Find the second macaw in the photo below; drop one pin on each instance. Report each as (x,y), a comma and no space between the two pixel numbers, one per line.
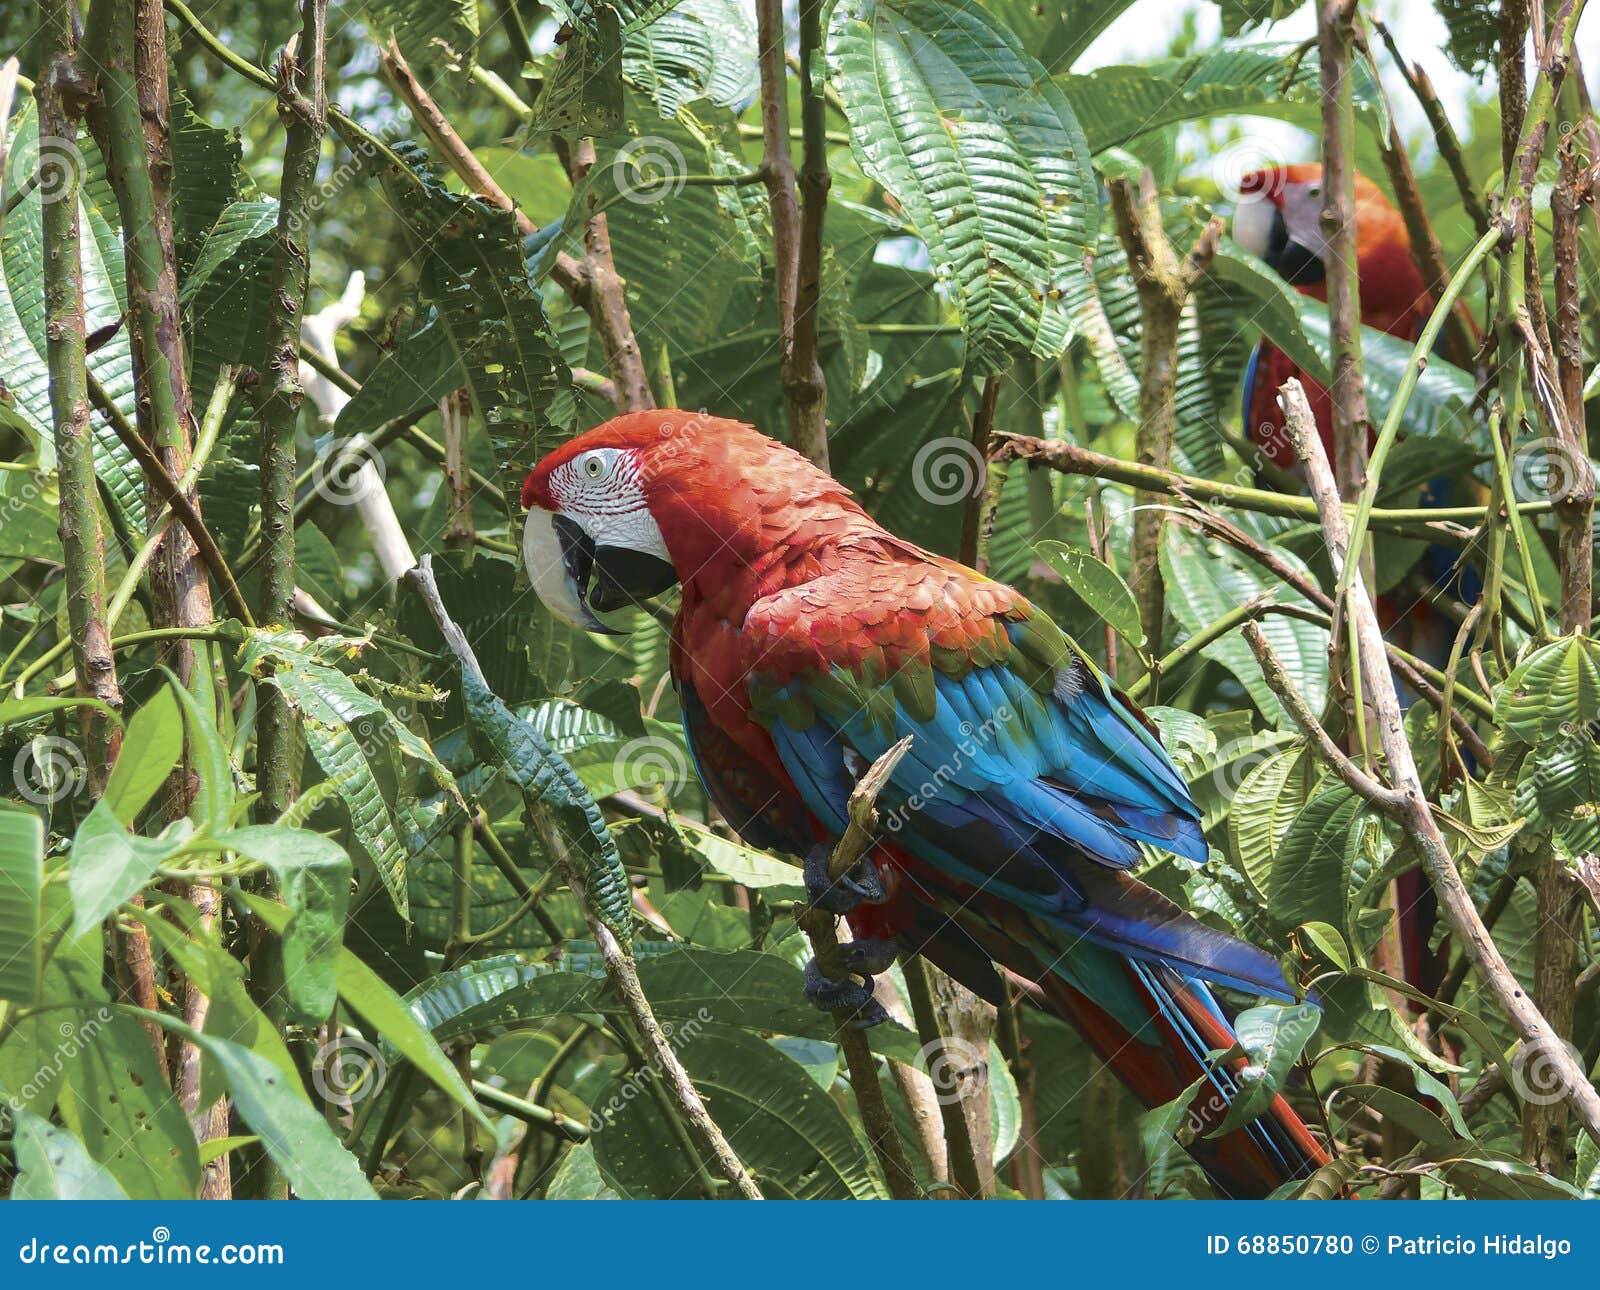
(1279,220)
(809,640)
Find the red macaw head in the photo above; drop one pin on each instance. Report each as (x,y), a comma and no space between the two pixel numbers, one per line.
(648,499)
(1279,220)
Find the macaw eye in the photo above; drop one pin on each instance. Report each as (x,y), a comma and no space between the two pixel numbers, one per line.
(594,467)
(1315,191)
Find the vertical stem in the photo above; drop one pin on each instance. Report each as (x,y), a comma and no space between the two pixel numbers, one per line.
(945,1051)
(1575,509)
(1335,33)
(608,304)
(1163,283)
(302,107)
(971,550)
(60,93)
(455,410)
(796,244)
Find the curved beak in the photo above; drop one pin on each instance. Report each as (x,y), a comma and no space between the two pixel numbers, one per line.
(575,575)
(1259,227)
(560,560)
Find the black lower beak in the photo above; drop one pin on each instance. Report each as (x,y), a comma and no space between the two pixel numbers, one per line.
(1297,265)
(608,578)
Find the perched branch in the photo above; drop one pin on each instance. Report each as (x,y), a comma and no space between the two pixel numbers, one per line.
(821,930)
(620,968)
(1405,803)
(1437,524)
(1164,283)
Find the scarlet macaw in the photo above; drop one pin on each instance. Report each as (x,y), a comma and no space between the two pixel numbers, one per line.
(809,640)
(1279,220)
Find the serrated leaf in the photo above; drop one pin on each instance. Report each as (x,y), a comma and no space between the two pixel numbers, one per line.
(1552,691)
(983,154)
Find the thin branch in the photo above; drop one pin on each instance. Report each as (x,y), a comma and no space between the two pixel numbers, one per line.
(1575,507)
(1163,282)
(821,930)
(620,968)
(971,551)
(1405,803)
(172,493)
(794,241)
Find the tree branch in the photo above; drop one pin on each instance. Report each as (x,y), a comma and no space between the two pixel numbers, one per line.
(620,968)
(1405,803)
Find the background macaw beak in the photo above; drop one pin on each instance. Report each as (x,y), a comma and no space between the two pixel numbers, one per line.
(1260,228)
(560,560)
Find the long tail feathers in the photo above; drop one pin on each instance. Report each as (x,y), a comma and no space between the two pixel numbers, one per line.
(1168,1055)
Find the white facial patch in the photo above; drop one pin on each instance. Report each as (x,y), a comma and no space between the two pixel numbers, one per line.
(1302,216)
(1252,223)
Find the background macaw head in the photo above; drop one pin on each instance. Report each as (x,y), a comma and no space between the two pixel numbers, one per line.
(592,541)
(1279,220)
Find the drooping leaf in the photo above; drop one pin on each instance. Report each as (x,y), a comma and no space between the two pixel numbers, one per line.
(984,155)
(53,1165)
(1552,691)
(294,1134)
(582,93)
(151,747)
(109,864)
(21,880)
(1098,585)
(701,49)
(474,273)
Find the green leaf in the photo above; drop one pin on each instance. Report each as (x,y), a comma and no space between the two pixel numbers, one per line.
(224,295)
(745,865)
(1552,690)
(358,742)
(983,154)
(1207,579)
(109,865)
(214,797)
(701,49)
(1098,585)
(582,92)
(579,1178)
(432,33)
(1311,872)
(1406,1112)
(116,1102)
(313,877)
(53,1165)
(474,273)
(1057,33)
(151,747)
(1272,1037)
(296,1137)
(1559,793)
(792,1135)
(21,910)
(549,784)
(1278,79)
(384,1011)
(417,373)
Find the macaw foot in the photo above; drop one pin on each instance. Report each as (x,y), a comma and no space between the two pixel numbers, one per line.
(848,995)
(857,884)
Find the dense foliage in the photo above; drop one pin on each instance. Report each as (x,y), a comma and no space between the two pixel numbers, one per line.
(293,898)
